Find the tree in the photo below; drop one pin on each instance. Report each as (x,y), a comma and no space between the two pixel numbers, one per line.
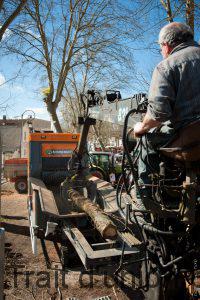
(186,6)
(155,14)
(9,10)
(97,73)
(55,34)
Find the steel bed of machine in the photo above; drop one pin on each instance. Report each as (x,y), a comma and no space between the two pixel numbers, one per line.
(160,245)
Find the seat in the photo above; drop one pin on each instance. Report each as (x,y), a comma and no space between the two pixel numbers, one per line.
(186,145)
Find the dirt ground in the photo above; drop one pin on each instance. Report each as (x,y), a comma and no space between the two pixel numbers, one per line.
(41,277)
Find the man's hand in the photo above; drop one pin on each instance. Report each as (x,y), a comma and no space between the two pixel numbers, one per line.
(139,129)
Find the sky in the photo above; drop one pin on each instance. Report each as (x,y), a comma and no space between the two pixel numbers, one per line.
(21,93)
(24,92)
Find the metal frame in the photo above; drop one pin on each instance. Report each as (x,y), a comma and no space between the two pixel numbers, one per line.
(105,251)
(2,260)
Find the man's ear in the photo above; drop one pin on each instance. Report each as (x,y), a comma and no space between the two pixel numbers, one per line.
(168,49)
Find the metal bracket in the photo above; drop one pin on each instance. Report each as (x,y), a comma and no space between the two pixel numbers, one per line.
(50,228)
(33,235)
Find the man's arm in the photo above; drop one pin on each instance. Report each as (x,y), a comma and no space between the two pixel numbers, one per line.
(161,98)
(144,126)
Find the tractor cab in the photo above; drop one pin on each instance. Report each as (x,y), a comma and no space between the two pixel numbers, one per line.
(105,165)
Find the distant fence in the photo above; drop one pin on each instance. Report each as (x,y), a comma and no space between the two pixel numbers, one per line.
(2,261)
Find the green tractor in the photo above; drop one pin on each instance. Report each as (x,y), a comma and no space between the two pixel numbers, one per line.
(106,165)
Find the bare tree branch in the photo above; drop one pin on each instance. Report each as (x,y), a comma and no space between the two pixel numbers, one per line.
(10,19)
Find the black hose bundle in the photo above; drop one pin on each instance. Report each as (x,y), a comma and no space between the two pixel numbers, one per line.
(132,171)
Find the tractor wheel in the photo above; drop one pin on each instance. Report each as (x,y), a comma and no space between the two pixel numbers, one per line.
(21,185)
(97,173)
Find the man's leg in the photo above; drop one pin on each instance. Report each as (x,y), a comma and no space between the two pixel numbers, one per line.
(149,162)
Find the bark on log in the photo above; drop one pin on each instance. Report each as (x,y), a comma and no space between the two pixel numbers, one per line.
(101,221)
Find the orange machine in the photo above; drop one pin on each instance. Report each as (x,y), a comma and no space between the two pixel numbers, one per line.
(49,154)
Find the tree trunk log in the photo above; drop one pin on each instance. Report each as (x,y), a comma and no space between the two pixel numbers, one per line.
(101,221)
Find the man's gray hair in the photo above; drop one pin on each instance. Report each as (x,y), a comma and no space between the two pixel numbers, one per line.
(175,33)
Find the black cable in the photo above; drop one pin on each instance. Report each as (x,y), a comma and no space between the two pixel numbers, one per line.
(124,173)
(144,224)
(124,141)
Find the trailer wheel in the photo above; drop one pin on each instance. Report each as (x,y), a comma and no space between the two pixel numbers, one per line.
(21,185)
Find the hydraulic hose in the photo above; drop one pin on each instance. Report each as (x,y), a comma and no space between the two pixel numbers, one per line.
(148,227)
(124,141)
(142,223)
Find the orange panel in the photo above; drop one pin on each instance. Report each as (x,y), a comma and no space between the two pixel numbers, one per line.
(16,161)
(58,150)
(51,137)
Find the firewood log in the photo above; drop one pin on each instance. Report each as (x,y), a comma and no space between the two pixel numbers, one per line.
(101,221)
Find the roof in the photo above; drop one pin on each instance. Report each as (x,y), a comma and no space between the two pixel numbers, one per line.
(39,124)
(18,122)
(12,122)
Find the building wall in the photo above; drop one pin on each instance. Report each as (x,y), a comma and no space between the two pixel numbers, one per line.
(10,138)
(37,124)
(15,135)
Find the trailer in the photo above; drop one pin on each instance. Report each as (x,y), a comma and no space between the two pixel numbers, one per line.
(98,239)
(15,170)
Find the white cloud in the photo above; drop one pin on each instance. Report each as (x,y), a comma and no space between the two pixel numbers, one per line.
(18,88)
(2,79)
(40,112)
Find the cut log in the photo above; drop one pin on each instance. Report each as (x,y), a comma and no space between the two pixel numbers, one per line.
(101,221)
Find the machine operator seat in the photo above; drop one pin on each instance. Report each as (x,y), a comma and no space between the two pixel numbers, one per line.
(186,145)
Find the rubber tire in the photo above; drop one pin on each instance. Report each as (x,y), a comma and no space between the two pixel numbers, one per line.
(97,173)
(21,185)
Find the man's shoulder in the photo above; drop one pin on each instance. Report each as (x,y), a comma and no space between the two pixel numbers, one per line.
(184,55)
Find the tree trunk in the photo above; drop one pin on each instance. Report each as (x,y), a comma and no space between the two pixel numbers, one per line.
(190,13)
(169,12)
(101,221)
(98,137)
(51,108)
(167,6)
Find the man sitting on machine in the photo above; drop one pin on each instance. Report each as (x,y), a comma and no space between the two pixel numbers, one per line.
(174,99)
